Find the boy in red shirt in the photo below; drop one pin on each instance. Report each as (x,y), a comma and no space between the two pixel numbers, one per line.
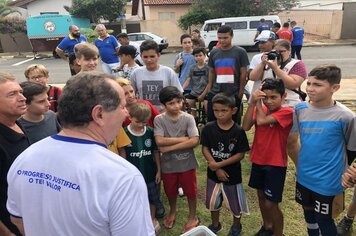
(269,151)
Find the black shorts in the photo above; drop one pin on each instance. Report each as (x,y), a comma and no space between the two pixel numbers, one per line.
(269,179)
(325,206)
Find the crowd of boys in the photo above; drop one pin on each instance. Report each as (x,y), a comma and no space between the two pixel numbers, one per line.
(159,138)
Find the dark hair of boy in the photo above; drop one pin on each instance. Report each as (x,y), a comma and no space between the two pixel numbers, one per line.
(184,36)
(128,50)
(31,89)
(224,99)
(149,44)
(195,42)
(141,111)
(286,24)
(87,50)
(169,93)
(225,29)
(329,72)
(277,25)
(199,50)
(274,85)
(196,31)
(122,35)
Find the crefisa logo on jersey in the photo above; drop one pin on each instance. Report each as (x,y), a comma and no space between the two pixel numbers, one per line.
(49,26)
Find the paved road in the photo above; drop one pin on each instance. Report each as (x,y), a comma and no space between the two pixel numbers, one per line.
(343,56)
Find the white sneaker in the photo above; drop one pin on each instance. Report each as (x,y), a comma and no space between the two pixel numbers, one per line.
(180,192)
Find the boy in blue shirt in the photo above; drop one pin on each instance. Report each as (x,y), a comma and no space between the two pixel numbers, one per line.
(327,135)
(184,60)
(224,144)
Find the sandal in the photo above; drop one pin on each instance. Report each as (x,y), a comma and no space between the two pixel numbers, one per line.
(169,222)
(188,227)
(156,226)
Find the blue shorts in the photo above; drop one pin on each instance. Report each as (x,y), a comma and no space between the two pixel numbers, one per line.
(233,196)
(269,179)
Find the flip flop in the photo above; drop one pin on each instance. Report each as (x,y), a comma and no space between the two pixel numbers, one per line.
(169,222)
(188,227)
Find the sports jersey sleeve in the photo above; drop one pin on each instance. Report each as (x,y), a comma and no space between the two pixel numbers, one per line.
(114,42)
(284,116)
(63,44)
(129,212)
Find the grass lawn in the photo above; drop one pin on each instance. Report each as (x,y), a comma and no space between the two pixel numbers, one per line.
(294,224)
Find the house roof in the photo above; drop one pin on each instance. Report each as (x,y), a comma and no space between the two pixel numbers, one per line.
(20,3)
(167,2)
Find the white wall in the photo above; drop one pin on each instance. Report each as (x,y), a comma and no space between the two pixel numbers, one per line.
(37,7)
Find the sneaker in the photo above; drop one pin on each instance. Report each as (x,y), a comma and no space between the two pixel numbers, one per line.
(234,231)
(215,230)
(344,226)
(264,232)
(180,192)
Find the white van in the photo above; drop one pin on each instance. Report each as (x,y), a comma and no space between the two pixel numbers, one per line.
(244,29)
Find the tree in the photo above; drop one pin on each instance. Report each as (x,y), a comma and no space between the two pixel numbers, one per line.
(95,10)
(5,10)
(11,25)
(202,10)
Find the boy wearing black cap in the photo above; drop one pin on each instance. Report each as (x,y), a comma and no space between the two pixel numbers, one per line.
(127,56)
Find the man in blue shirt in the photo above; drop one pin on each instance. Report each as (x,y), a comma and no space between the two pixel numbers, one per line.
(297,43)
(263,26)
(108,48)
(67,45)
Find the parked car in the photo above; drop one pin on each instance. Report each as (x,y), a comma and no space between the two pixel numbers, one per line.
(142,36)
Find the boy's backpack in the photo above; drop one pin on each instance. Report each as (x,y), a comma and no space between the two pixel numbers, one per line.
(53,98)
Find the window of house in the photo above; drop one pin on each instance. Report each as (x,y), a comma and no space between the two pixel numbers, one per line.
(166,15)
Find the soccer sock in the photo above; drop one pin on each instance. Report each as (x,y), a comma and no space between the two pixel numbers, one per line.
(312,225)
(349,217)
(327,226)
